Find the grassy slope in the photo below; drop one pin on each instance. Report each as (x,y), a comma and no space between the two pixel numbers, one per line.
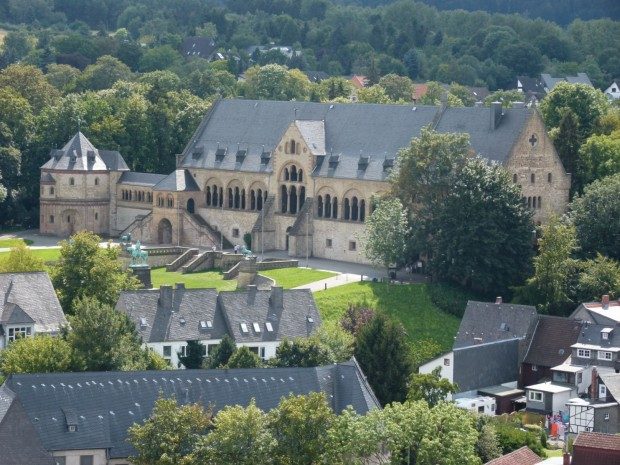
(47,255)
(211,279)
(293,277)
(13,242)
(410,304)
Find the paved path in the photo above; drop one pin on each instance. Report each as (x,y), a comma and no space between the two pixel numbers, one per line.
(39,241)
(328,283)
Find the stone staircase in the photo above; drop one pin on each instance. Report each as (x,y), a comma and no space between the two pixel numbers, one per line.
(216,235)
(188,255)
(197,261)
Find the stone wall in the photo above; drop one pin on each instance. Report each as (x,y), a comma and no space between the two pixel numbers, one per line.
(126,213)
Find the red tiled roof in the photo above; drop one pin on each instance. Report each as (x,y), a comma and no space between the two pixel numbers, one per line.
(598,441)
(419,91)
(523,456)
(359,81)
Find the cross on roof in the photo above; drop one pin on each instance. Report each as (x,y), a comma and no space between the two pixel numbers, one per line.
(533,140)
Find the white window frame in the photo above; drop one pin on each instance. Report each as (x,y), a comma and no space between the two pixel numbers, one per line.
(605,355)
(18,332)
(581,353)
(446,362)
(602,390)
(532,396)
(534,367)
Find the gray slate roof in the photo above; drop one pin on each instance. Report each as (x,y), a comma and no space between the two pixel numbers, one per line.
(291,320)
(612,382)
(552,340)
(28,297)
(351,131)
(107,403)
(591,335)
(550,82)
(178,181)
(490,322)
(141,179)
(198,47)
(19,443)
(176,314)
(80,155)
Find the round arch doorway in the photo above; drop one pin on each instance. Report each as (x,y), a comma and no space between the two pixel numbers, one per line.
(164,232)
(191,206)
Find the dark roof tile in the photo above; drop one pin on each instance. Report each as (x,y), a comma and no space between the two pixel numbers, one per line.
(552,341)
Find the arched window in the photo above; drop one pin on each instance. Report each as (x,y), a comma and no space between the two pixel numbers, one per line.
(293,173)
(354,209)
(237,198)
(514,178)
(529,202)
(347,209)
(328,206)
(286,174)
(292,201)
(533,178)
(319,206)
(362,210)
(533,202)
(208,196)
(170,201)
(230,198)
(96,181)
(539,202)
(221,204)
(284,199)
(214,196)
(51,191)
(243,199)
(549,177)
(335,207)
(300,175)
(292,146)
(259,200)
(252,200)
(71,181)
(160,201)
(302,196)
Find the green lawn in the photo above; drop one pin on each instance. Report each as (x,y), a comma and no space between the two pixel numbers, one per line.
(13,242)
(211,279)
(410,304)
(47,255)
(293,277)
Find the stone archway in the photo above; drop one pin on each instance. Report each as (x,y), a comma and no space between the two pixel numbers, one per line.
(69,220)
(190,206)
(164,232)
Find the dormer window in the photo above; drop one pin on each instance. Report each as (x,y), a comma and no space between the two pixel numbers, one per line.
(605,332)
(19,332)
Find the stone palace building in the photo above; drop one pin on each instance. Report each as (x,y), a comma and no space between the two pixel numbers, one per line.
(296,176)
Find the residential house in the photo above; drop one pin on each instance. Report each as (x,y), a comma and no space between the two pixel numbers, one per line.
(419,91)
(82,418)
(199,47)
(550,82)
(600,411)
(531,87)
(522,456)
(30,306)
(488,349)
(596,448)
(550,347)
(605,312)
(167,318)
(286,50)
(613,91)
(548,397)
(316,76)
(358,81)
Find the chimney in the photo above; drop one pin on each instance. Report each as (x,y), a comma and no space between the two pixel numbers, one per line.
(165,297)
(594,384)
(277,297)
(605,301)
(496,114)
(180,286)
(498,300)
(566,459)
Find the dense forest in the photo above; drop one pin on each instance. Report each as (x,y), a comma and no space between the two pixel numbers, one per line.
(559,11)
(115,67)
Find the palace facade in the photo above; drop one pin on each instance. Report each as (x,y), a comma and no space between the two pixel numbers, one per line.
(296,176)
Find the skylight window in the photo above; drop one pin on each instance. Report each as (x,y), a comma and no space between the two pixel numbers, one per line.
(208,324)
(244,328)
(143,322)
(310,319)
(256,327)
(269,327)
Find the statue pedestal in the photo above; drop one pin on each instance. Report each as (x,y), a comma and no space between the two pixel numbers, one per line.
(143,273)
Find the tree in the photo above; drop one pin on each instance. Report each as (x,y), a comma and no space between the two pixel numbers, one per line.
(397,87)
(104,339)
(243,357)
(383,353)
(221,353)
(588,105)
(487,447)
(30,83)
(567,141)
(39,354)
(63,77)
(194,355)
(356,317)
(239,435)
(335,87)
(85,269)
(20,259)
(300,424)
(373,94)
(412,63)
(159,58)
(301,352)
(430,387)
(596,215)
(597,277)
(433,94)
(481,215)
(506,97)
(600,156)
(553,268)
(276,82)
(463,94)
(104,73)
(170,435)
(386,233)
(336,340)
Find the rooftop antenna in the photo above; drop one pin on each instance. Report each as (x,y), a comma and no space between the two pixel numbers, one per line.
(295,110)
